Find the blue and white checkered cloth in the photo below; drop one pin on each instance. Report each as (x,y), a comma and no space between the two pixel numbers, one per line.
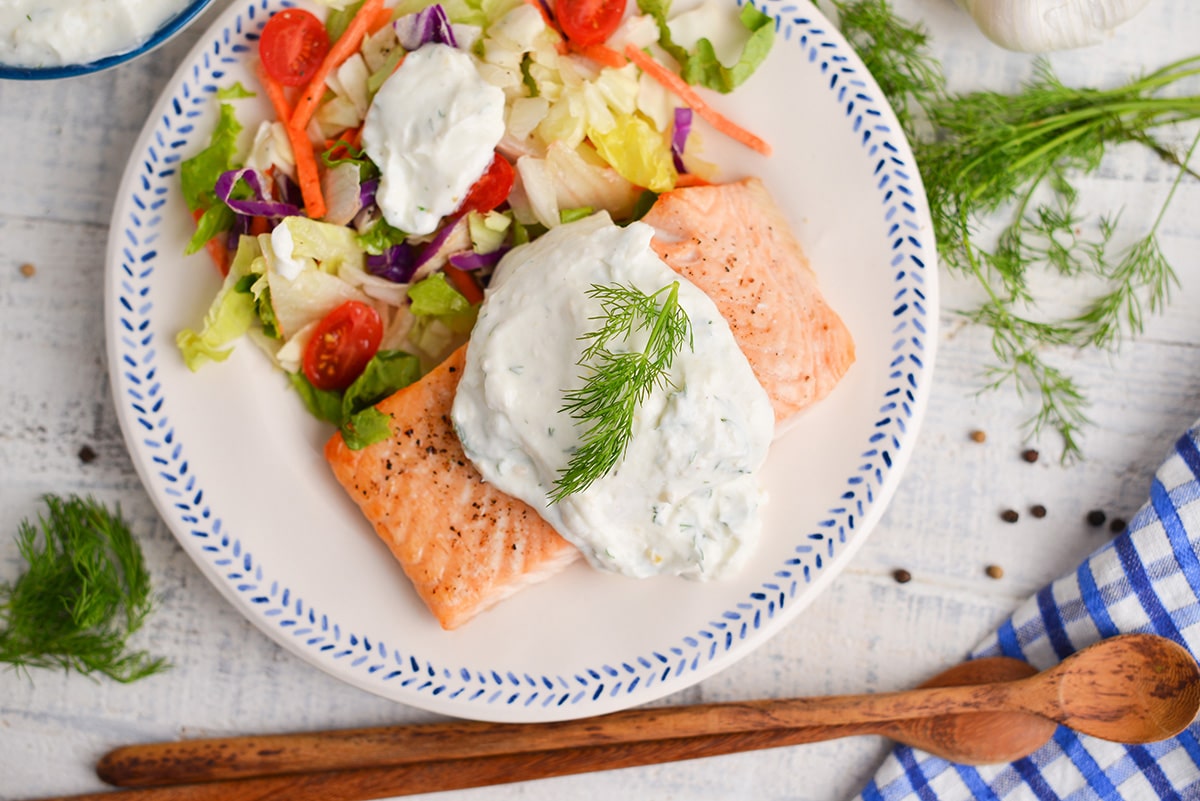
(1146,580)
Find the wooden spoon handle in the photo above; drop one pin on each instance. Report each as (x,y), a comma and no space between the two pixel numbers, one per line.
(458,774)
(239,757)
(223,759)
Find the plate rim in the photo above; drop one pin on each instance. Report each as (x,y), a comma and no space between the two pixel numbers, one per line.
(609,687)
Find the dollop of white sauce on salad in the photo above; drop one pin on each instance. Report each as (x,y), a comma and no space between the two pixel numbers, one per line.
(432,130)
(55,33)
(685,498)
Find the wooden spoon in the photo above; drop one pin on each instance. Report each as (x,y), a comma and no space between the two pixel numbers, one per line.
(972,738)
(1133,688)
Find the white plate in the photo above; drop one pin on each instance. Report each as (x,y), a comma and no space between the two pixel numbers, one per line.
(234,465)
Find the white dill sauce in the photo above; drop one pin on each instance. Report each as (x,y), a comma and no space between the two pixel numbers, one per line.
(55,33)
(685,499)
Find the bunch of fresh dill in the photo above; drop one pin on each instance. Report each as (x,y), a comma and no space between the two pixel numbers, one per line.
(85,590)
(988,155)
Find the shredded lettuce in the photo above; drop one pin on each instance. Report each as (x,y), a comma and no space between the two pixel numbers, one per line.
(701,66)
(329,245)
(230,315)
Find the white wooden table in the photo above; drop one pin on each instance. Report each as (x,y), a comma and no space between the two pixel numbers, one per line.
(64,147)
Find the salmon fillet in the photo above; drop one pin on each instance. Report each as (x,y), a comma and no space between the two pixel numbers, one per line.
(733,242)
(464,544)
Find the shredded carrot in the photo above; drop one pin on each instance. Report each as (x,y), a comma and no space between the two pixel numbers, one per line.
(360,25)
(603,55)
(274,89)
(692,98)
(216,248)
(686,179)
(259,225)
(302,150)
(307,174)
(465,283)
(383,15)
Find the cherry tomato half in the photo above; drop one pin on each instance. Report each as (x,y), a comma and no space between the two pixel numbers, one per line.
(588,22)
(491,189)
(292,47)
(341,345)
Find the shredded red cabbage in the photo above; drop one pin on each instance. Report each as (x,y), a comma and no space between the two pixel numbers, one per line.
(427,25)
(367,190)
(288,190)
(256,206)
(438,243)
(683,127)
(470,260)
(397,263)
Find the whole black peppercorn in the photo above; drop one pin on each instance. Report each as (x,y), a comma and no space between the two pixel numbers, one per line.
(1117,525)
(1096,517)
(1030,455)
(87,455)
(1037,510)
(902,576)
(1010,516)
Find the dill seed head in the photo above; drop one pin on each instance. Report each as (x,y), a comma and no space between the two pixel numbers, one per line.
(1010,516)
(1096,517)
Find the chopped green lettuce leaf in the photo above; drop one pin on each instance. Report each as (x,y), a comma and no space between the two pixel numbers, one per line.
(337,20)
(702,67)
(229,316)
(232,312)
(329,245)
(379,237)
(215,220)
(353,411)
(235,92)
(434,297)
(198,175)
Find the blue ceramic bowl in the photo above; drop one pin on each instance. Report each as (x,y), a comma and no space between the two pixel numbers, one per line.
(168,29)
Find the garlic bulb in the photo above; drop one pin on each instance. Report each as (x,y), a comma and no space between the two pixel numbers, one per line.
(1039,26)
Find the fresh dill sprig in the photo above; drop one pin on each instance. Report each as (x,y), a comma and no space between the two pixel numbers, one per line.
(984,155)
(617,382)
(85,590)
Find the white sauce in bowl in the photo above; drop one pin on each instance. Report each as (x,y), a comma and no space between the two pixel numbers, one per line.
(685,498)
(55,33)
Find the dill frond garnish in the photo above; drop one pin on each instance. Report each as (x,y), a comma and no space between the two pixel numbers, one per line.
(85,590)
(617,382)
(1006,163)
